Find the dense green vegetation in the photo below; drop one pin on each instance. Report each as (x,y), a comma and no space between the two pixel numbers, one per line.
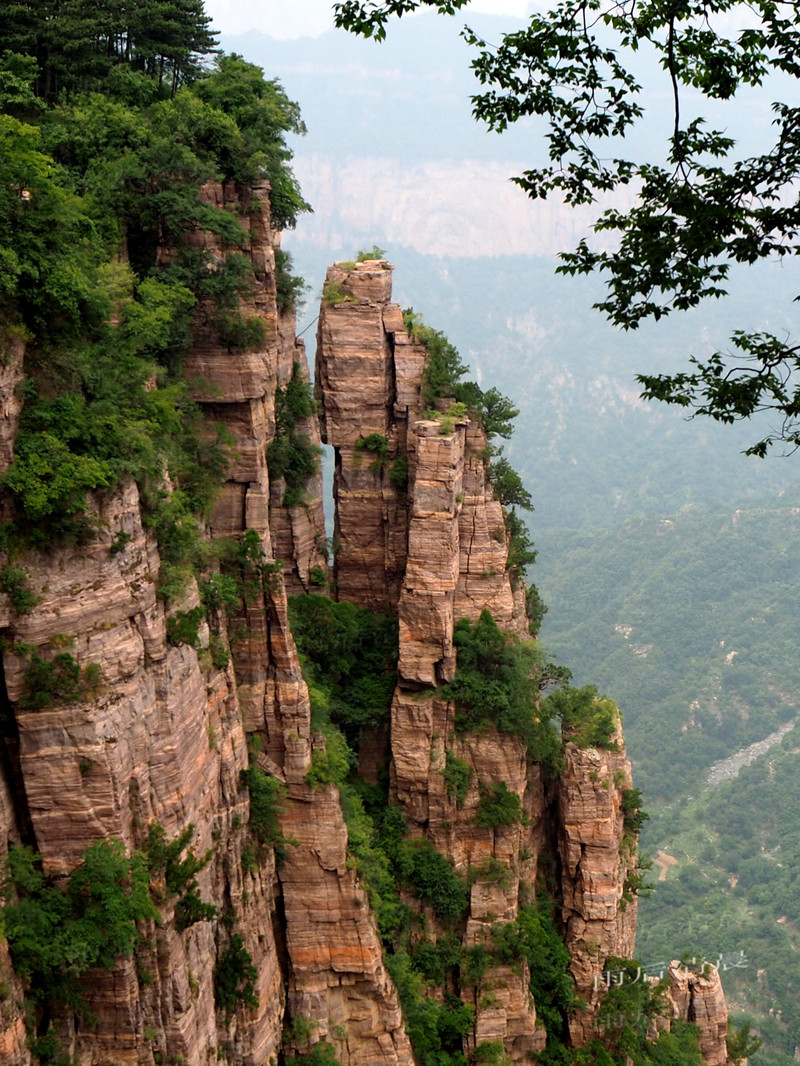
(267,800)
(498,679)
(172,875)
(350,657)
(291,455)
(107,138)
(55,681)
(691,623)
(56,935)
(733,892)
(235,977)
(589,720)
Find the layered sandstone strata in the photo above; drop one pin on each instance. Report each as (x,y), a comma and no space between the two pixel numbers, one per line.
(598,915)
(355,383)
(438,556)
(160,737)
(695,995)
(236,390)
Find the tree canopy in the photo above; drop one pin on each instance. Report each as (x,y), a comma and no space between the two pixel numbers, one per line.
(110,125)
(700,208)
(77,42)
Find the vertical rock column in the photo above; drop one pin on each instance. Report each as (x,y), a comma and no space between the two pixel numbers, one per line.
(483,581)
(356,385)
(236,390)
(595,861)
(696,995)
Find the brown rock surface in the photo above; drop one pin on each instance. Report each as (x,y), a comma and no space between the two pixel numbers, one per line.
(355,385)
(698,997)
(162,736)
(339,985)
(159,737)
(598,923)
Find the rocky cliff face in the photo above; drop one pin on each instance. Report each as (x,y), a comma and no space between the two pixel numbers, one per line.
(166,727)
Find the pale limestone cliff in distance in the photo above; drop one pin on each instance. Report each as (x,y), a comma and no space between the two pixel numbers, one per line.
(451,208)
(163,737)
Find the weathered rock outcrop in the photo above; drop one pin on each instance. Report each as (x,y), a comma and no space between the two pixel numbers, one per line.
(160,737)
(356,384)
(161,729)
(598,913)
(435,553)
(696,995)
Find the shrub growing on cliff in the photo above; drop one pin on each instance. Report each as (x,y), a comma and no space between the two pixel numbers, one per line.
(378,445)
(14,582)
(587,719)
(320,1054)
(291,455)
(55,936)
(235,977)
(174,875)
(183,627)
(633,815)
(267,801)
(289,287)
(48,682)
(432,878)
(435,1030)
(499,807)
(351,654)
(497,681)
(457,775)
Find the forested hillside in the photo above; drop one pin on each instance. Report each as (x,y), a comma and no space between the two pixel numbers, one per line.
(343,829)
(642,519)
(99,274)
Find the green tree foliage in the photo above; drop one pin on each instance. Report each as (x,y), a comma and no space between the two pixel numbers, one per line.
(267,801)
(441,380)
(178,874)
(55,681)
(742,1042)
(507,484)
(290,288)
(291,455)
(499,807)
(235,977)
(435,1030)
(457,776)
(264,114)
(633,816)
(78,45)
(587,719)
(377,445)
(55,936)
(97,172)
(351,654)
(320,1054)
(700,205)
(497,680)
(432,877)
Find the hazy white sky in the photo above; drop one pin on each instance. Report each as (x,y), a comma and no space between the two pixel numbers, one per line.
(299,18)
